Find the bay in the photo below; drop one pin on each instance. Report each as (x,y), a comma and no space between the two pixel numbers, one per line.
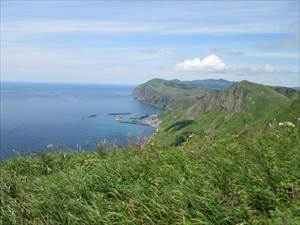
(67,116)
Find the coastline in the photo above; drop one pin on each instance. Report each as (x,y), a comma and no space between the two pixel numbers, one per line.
(152,136)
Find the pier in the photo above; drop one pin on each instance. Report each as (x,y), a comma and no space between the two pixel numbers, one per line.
(119,114)
(135,122)
(139,117)
(146,120)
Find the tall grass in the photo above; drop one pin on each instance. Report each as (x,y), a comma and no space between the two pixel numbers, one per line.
(250,179)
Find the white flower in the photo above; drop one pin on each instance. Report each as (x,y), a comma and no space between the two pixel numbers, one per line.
(290,124)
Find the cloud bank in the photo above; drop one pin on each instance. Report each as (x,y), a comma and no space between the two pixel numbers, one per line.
(214,64)
(98,26)
(211,63)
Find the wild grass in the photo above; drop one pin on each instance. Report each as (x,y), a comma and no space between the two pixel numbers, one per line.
(253,178)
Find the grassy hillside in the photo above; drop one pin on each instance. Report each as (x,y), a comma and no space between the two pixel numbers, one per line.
(250,179)
(259,104)
(288,92)
(290,112)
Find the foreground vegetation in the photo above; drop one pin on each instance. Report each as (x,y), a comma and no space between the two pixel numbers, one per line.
(253,178)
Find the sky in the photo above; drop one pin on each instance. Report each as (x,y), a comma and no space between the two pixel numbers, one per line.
(130,42)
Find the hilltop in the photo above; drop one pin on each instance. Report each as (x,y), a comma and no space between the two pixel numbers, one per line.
(225,155)
(168,94)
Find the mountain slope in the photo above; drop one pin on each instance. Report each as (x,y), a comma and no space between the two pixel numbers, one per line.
(243,106)
(231,100)
(291,112)
(288,92)
(174,93)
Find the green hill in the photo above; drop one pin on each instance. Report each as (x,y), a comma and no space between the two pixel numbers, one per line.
(290,112)
(243,106)
(175,93)
(289,92)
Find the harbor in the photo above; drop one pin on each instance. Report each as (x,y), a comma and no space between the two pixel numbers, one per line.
(145,120)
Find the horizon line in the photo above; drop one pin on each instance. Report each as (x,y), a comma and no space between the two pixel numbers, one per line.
(135,84)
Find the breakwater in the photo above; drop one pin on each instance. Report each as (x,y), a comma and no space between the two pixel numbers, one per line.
(135,122)
(119,114)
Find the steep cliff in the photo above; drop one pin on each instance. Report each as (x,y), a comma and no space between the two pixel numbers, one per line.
(231,100)
(148,94)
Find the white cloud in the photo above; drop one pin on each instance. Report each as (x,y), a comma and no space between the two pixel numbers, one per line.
(256,70)
(211,63)
(214,65)
(101,27)
(269,68)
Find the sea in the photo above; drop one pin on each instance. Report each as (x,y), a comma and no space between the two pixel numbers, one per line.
(38,117)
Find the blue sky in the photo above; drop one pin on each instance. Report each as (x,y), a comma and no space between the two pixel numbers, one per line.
(129,42)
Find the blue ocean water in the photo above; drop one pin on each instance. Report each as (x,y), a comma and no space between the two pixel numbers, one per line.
(35,115)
